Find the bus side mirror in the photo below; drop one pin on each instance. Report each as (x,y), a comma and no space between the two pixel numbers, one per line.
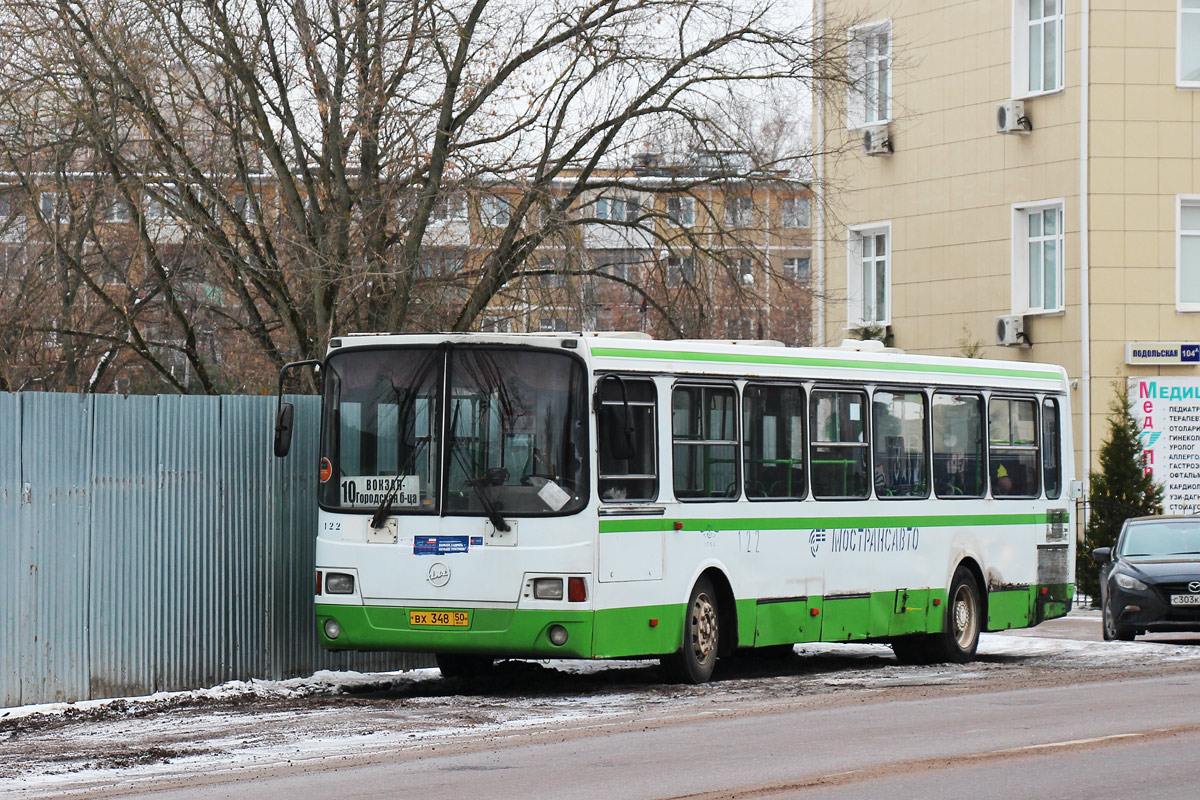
(285,412)
(283,429)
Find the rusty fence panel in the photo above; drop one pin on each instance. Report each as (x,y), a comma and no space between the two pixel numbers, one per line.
(155,544)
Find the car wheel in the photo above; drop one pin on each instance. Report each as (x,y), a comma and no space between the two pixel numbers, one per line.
(695,661)
(1113,631)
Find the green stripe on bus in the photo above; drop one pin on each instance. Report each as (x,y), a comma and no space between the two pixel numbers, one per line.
(817,523)
(814,361)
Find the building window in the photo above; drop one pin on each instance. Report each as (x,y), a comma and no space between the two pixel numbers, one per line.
(494,212)
(737,211)
(1187,258)
(244,205)
(796,269)
(745,270)
(451,208)
(616,209)
(682,211)
(1038,258)
(1187,44)
(869,101)
(1037,47)
(868,279)
(552,325)
(681,270)
(5,204)
(796,211)
(52,207)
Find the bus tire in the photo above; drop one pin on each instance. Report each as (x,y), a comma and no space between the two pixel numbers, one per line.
(695,660)
(460,665)
(960,630)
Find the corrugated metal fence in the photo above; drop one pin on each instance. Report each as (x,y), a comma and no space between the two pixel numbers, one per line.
(155,543)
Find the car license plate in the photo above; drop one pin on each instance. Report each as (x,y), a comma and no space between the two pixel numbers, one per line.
(1185,599)
(441,619)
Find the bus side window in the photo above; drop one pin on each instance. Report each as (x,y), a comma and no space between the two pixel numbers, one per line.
(704,433)
(773,446)
(838,443)
(901,451)
(1051,448)
(1013,447)
(958,462)
(635,478)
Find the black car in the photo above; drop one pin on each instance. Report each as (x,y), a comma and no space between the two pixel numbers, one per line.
(1151,580)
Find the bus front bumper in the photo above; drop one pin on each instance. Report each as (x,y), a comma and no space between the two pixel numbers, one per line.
(516,633)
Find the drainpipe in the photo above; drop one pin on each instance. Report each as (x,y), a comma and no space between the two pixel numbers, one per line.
(818,212)
(1085,323)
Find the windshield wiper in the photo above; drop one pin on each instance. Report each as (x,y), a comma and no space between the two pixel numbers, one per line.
(385,505)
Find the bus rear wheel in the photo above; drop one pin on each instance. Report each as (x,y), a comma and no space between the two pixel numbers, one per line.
(460,665)
(695,660)
(959,637)
(960,632)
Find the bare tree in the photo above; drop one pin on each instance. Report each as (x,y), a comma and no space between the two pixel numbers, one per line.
(284,165)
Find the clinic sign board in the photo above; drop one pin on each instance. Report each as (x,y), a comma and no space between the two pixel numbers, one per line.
(1167,410)
(1143,353)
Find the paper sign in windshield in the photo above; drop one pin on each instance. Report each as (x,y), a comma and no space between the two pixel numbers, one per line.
(368,491)
(554,495)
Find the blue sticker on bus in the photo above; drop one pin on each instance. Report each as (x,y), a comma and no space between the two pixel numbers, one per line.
(476,541)
(440,545)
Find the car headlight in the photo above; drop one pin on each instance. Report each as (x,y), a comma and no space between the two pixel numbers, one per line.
(1129,582)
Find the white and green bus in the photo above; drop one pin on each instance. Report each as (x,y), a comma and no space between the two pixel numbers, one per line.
(609,496)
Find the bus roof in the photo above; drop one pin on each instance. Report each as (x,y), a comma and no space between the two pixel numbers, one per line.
(635,352)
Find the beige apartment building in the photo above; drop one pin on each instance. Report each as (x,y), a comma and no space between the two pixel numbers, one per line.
(1018,179)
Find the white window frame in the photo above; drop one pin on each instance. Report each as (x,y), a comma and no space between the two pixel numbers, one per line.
(1020,256)
(49,208)
(855,290)
(1020,46)
(791,269)
(860,113)
(796,212)
(1180,201)
(1180,11)
(494,211)
(684,215)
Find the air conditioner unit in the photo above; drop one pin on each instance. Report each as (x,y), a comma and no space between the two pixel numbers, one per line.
(1011,118)
(1010,331)
(876,141)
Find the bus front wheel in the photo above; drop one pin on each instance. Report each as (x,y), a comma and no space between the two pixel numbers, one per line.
(695,660)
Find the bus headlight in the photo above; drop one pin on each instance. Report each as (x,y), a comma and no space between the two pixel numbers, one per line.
(339,583)
(558,635)
(332,629)
(548,589)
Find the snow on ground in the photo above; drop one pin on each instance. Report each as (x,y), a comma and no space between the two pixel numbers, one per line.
(60,746)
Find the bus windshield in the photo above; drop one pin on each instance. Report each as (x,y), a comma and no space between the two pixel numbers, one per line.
(515,429)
